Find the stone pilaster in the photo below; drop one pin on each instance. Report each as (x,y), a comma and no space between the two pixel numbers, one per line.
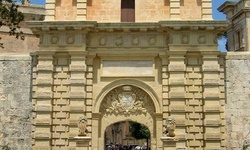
(42,101)
(177,93)
(214,122)
(81,10)
(61,101)
(175,12)
(89,93)
(77,91)
(50,10)
(194,101)
(206,9)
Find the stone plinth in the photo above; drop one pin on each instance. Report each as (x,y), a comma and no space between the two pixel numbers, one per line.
(169,143)
(82,142)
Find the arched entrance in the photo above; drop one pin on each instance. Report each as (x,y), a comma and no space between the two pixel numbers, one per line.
(127,135)
(127,101)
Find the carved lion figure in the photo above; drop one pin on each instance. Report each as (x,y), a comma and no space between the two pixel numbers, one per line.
(82,125)
(169,127)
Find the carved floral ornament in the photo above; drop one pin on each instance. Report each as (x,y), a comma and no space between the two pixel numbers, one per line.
(127,100)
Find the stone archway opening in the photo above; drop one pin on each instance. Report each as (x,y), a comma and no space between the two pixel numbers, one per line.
(127,135)
(126,102)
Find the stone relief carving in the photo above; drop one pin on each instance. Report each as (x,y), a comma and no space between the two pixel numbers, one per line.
(135,41)
(126,100)
(128,40)
(54,39)
(102,41)
(152,40)
(169,127)
(119,41)
(202,39)
(185,39)
(82,125)
(70,39)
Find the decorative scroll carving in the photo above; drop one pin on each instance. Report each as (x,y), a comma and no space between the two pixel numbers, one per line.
(126,100)
(169,127)
(82,125)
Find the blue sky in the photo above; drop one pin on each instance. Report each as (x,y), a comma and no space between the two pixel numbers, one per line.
(216,15)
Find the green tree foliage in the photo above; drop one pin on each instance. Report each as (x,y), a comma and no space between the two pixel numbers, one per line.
(11,17)
(139,131)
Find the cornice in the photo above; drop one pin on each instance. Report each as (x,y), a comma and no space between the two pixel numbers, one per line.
(43,26)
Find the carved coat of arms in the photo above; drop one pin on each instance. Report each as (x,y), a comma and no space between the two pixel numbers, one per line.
(126,102)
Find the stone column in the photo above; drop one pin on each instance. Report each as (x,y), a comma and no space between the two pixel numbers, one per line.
(42,101)
(50,10)
(177,93)
(175,12)
(81,10)
(214,130)
(206,9)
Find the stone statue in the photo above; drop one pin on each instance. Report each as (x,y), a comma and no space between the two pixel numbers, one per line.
(82,125)
(169,127)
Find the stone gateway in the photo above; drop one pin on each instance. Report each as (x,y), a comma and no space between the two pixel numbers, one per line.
(153,62)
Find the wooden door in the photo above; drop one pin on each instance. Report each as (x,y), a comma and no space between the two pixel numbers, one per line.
(127,10)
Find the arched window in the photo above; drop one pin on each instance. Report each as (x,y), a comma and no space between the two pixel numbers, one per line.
(127,10)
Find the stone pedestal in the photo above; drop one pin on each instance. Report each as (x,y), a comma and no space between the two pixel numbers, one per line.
(169,143)
(82,142)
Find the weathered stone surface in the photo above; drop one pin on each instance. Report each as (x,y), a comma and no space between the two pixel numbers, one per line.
(15,104)
(237,104)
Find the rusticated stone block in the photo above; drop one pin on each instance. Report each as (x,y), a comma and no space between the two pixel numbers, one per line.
(176,68)
(211,81)
(43,108)
(42,135)
(61,115)
(211,95)
(77,94)
(176,94)
(62,75)
(41,148)
(211,68)
(212,108)
(176,81)
(195,143)
(43,94)
(42,121)
(44,68)
(43,81)
(212,136)
(177,108)
(78,68)
(78,81)
(215,123)
(79,108)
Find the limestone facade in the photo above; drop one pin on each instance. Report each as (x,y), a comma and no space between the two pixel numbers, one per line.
(165,68)
(114,72)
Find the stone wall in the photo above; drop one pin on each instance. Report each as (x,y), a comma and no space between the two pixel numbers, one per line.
(237,101)
(15,103)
